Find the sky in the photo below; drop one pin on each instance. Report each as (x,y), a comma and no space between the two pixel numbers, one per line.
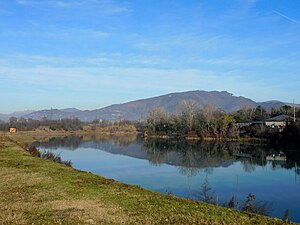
(92,53)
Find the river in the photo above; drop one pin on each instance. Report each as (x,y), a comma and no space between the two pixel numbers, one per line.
(182,168)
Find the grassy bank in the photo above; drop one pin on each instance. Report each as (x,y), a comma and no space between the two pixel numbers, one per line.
(27,137)
(38,191)
(197,138)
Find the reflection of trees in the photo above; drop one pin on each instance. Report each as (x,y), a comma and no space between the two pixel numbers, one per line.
(205,193)
(69,142)
(293,158)
(157,157)
(251,155)
(188,171)
(248,165)
(73,142)
(189,156)
(195,154)
(207,155)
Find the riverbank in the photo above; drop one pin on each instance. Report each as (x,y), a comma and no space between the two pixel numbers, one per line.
(39,191)
(27,137)
(197,138)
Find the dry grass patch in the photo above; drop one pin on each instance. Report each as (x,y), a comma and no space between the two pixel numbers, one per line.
(90,211)
(37,191)
(9,217)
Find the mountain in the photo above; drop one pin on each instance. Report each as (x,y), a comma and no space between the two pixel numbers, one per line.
(18,114)
(21,113)
(55,114)
(70,110)
(276,104)
(4,117)
(138,109)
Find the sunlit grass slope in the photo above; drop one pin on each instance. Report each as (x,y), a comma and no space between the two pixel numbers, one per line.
(39,191)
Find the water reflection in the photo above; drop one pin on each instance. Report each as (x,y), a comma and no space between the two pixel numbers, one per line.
(188,156)
(180,166)
(73,142)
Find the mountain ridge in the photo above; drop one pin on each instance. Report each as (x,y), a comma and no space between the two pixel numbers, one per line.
(138,109)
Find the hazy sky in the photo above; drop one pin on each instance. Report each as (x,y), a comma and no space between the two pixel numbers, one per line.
(92,53)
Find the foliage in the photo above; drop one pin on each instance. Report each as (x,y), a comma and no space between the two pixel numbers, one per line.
(34,151)
(35,191)
(48,155)
(290,137)
(30,124)
(231,203)
(55,158)
(259,113)
(71,125)
(252,206)
(286,215)
(191,120)
(206,194)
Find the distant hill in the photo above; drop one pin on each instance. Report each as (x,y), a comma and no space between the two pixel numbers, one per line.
(21,113)
(70,110)
(269,104)
(18,114)
(4,117)
(138,109)
(53,114)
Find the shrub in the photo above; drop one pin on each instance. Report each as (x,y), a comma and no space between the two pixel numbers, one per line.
(34,151)
(262,208)
(55,158)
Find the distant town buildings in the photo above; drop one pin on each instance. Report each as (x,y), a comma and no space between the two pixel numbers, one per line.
(279,121)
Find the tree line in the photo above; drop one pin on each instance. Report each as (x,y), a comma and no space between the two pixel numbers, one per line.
(23,124)
(260,113)
(191,120)
(68,124)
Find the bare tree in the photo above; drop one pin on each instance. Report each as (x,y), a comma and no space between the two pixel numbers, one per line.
(157,119)
(188,110)
(252,206)
(206,194)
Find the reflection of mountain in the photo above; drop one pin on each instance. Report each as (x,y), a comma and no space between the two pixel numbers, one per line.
(186,155)
(132,150)
(115,145)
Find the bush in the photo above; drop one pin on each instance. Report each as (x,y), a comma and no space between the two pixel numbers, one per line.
(262,208)
(55,158)
(34,151)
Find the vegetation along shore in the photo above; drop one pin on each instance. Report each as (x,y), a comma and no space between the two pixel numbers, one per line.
(36,191)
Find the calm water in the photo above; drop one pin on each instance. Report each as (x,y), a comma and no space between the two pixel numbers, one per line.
(181,168)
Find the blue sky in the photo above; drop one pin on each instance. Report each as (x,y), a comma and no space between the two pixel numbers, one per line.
(93,53)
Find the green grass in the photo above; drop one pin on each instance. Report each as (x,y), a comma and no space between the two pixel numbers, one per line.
(37,191)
